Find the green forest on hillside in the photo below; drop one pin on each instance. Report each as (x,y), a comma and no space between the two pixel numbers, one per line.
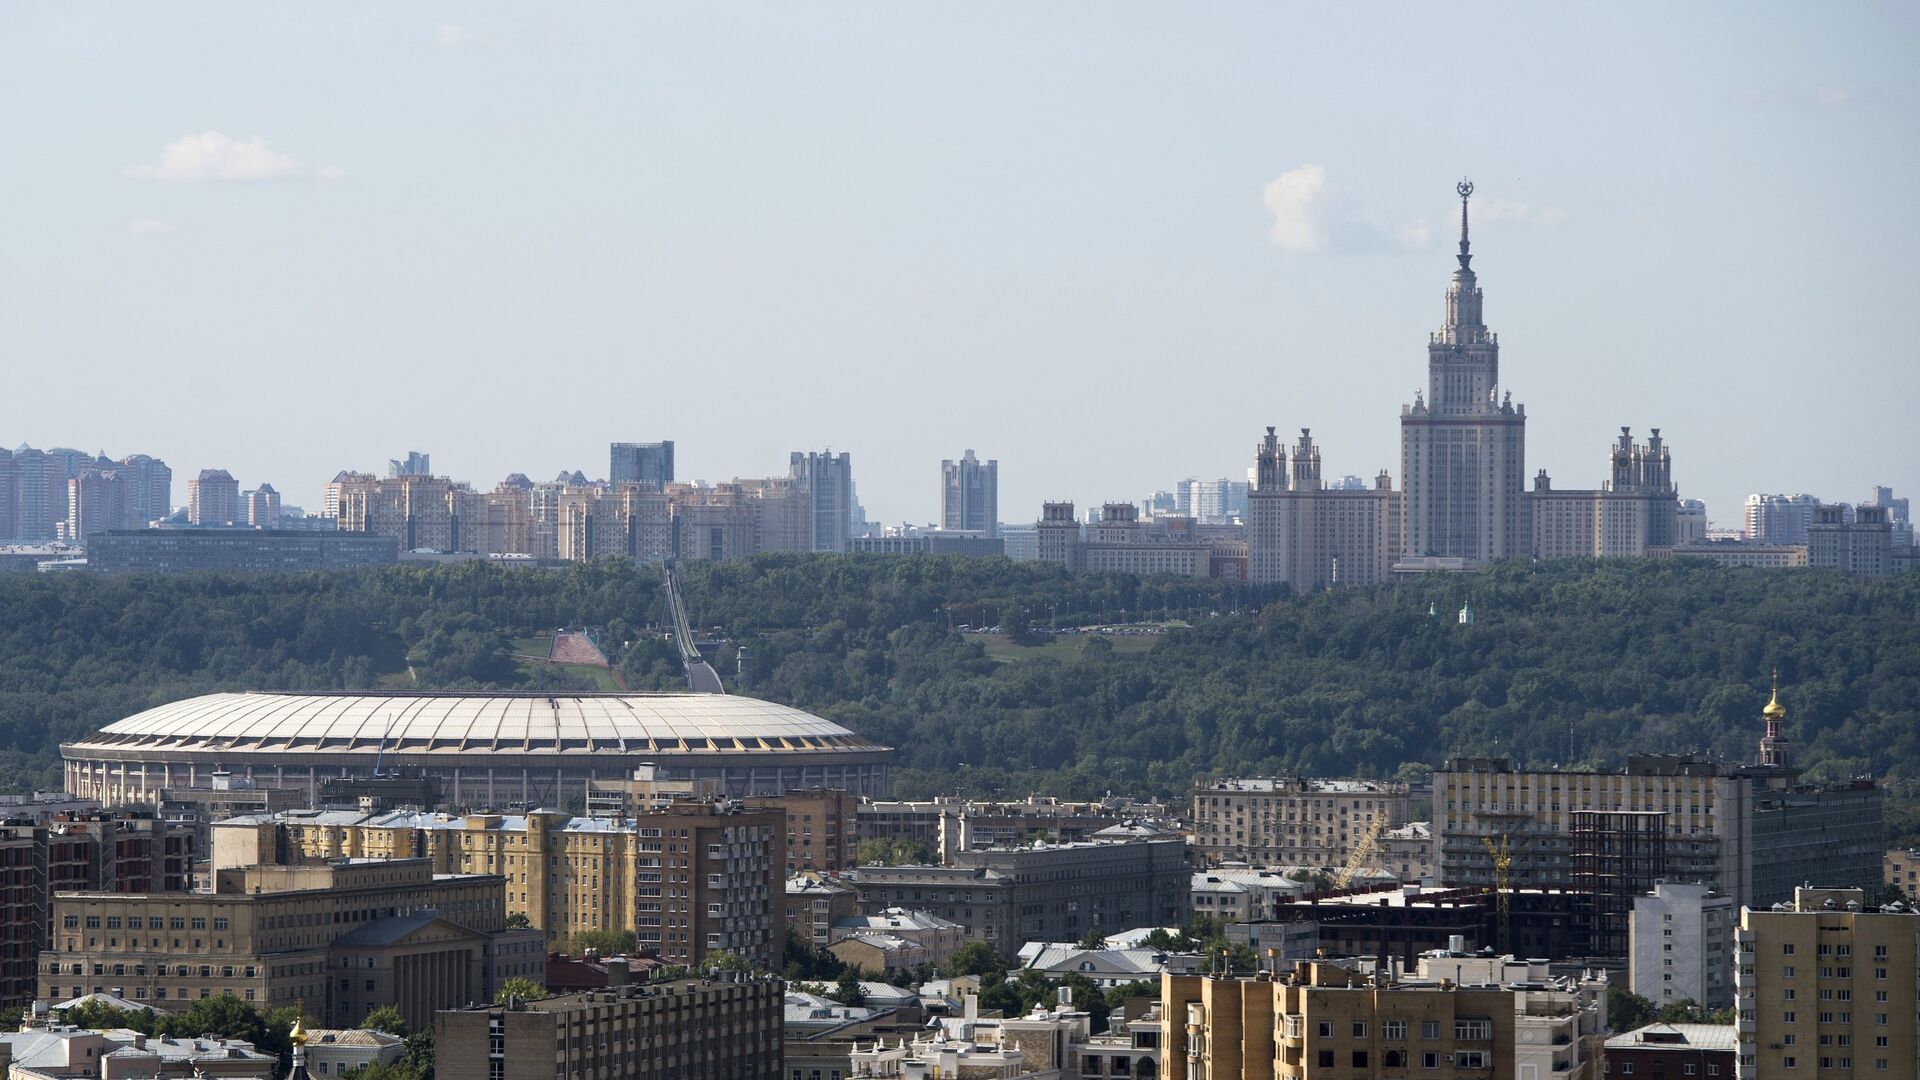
(1574,662)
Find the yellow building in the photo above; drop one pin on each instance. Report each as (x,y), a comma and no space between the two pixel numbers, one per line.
(1320,1019)
(1825,987)
(686,879)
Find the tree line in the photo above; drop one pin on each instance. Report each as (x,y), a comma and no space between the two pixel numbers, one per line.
(1576,663)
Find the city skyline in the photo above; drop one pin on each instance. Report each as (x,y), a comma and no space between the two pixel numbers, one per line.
(1257,226)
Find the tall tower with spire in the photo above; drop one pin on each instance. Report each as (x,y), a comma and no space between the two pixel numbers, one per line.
(1462,442)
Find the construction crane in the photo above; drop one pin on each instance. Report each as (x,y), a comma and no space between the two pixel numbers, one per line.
(1362,851)
(1502,855)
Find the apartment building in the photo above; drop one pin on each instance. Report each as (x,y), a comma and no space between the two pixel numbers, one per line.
(1455,1016)
(1293,821)
(213,498)
(822,827)
(814,903)
(341,939)
(690,1029)
(1321,1019)
(1825,986)
(1682,946)
(687,878)
(1901,869)
(85,850)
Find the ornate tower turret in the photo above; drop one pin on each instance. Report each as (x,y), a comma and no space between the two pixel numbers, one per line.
(1776,748)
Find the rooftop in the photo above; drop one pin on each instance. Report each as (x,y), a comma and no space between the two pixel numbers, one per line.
(1677,1037)
(415,723)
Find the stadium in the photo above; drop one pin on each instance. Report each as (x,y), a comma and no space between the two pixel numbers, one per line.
(490,749)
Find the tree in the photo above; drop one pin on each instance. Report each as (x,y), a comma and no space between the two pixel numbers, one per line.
(1094,939)
(398,1070)
(847,989)
(519,921)
(520,989)
(895,852)
(1627,1010)
(722,960)
(1160,939)
(604,942)
(975,958)
(388,1019)
(420,1052)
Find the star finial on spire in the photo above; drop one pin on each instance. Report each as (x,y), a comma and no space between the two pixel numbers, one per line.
(1465,188)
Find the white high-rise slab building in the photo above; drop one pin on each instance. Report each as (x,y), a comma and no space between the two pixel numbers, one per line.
(1682,945)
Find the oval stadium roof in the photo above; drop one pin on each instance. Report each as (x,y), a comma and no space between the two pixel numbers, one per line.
(413,723)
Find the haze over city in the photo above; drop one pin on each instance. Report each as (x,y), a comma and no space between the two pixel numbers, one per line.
(1104,245)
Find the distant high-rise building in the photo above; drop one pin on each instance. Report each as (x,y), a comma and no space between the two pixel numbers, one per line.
(97,500)
(263,506)
(1211,501)
(1899,519)
(39,495)
(213,498)
(828,478)
(641,463)
(1863,547)
(1462,444)
(150,488)
(970,495)
(414,464)
(1779,519)
(1690,522)
(1634,513)
(1313,537)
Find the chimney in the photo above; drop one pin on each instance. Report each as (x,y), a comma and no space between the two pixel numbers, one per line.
(973,1007)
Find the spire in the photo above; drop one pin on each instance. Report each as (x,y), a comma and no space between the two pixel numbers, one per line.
(1775,711)
(1465,188)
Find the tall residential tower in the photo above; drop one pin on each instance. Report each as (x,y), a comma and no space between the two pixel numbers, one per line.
(970,495)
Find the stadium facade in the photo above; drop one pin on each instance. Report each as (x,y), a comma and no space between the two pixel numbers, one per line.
(486,749)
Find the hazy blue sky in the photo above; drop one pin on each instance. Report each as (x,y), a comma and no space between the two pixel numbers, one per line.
(1104,243)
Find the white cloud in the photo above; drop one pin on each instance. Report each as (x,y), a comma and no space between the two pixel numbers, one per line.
(212,155)
(1830,97)
(1524,213)
(1296,200)
(147,226)
(217,157)
(1311,215)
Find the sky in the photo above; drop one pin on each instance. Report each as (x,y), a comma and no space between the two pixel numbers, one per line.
(1105,244)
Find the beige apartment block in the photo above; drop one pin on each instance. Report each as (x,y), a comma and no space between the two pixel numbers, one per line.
(686,879)
(1319,1019)
(1825,987)
(1292,821)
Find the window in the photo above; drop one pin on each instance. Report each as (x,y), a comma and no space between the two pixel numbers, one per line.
(1393,1029)
(1326,1059)
(1359,1059)
(1326,1029)
(1359,1029)
(1429,1029)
